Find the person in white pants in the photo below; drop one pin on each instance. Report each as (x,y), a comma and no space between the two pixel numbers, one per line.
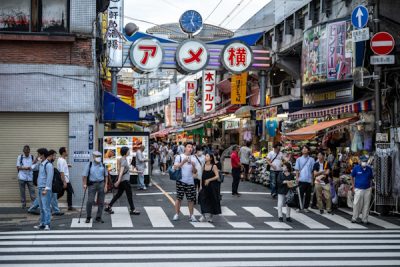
(362,176)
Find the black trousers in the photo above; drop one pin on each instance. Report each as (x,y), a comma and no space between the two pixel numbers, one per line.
(124,186)
(236,180)
(305,188)
(70,191)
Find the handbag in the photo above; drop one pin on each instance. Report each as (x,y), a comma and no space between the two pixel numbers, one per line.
(175,174)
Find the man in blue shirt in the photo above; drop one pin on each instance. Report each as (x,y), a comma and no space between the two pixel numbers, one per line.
(97,183)
(362,176)
(45,182)
(304,176)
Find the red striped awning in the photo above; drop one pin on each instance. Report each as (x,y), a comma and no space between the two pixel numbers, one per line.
(355,107)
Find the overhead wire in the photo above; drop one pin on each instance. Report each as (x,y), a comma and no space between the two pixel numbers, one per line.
(230,13)
(212,12)
(240,11)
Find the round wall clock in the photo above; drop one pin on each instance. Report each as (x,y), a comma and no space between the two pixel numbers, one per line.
(191,21)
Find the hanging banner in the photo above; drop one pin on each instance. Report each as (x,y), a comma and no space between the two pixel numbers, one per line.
(168,115)
(238,89)
(114,33)
(179,109)
(173,113)
(209,91)
(191,87)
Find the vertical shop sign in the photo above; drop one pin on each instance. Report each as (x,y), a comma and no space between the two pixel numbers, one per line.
(168,115)
(191,87)
(91,137)
(209,91)
(114,33)
(336,51)
(179,115)
(238,89)
(173,113)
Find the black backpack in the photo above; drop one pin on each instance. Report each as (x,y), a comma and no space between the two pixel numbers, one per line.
(57,185)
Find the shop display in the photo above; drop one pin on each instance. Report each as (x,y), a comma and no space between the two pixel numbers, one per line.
(112,150)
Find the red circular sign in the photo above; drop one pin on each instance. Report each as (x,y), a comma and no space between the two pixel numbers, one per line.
(382,43)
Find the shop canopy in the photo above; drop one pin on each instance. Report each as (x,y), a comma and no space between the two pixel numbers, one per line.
(310,132)
(116,110)
(194,126)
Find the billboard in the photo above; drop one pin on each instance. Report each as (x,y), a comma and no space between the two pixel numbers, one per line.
(327,53)
(112,144)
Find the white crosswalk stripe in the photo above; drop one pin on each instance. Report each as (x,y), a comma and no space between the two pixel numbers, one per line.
(208,247)
(233,218)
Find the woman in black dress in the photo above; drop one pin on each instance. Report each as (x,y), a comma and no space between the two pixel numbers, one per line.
(209,197)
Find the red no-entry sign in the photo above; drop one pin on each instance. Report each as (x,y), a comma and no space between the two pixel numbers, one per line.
(382,43)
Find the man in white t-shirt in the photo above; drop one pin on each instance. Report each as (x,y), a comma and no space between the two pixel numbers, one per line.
(274,160)
(244,155)
(63,168)
(185,162)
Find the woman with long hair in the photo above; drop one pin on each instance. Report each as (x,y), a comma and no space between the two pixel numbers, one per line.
(123,184)
(209,196)
(283,180)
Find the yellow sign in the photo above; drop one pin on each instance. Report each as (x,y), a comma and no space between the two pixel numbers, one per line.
(238,88)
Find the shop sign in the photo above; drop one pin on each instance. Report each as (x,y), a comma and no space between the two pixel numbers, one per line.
(382,60)
(209,91)
(237,57)
(81,156)
(168,115)
(179,109)
(114,34)
(334,96)
(231,125)
(238,88)
(192,56)
(191,87)
(263,114)
(146,54)
(338,64)
(382,137)
(91,137)
(360,35)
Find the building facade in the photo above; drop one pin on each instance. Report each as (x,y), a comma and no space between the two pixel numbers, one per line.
(49,84)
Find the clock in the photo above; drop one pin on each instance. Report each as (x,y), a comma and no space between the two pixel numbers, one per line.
(191,21)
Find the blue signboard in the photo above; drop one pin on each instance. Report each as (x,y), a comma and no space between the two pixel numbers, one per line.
(359,17)
(91,137)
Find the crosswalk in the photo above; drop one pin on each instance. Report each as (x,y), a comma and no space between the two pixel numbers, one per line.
(205,247)
(246,217)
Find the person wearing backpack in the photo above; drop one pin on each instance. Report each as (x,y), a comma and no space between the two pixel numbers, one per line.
(94,179)
(59,190)
(25,175)
(123,184)
(45,180)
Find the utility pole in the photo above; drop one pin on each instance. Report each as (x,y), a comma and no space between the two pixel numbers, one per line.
(377,73)
(114,81)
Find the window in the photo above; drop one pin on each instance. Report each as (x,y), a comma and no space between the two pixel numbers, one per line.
(34,15)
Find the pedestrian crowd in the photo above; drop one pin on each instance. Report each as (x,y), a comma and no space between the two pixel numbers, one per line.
(200,178)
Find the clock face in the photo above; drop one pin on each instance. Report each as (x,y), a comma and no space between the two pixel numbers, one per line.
(191,21)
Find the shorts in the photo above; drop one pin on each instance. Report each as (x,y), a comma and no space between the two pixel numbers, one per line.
(246,168)
(188,189)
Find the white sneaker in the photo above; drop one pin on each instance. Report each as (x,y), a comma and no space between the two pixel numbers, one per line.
(193,219)
(176,217)
(47,228)
(202,219)
(307,210)
(39,227)
(297,210)
(144,188)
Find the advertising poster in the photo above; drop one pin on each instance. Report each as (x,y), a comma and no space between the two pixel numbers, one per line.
(112,150)
(179,108)
(191,87)
(239,87)
(327,53)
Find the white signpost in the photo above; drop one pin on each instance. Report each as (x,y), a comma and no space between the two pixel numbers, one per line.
(360,35)
(382,60)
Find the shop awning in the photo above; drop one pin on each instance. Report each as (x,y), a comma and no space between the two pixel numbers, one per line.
(310,132)
(355,107)
(194,126)
(115,110)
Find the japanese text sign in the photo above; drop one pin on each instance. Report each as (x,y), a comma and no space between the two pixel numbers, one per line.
(179,110)
(191,87)
(209,91)
(237,57)
(238,88)
(114,33)
(146,55)
(192,56)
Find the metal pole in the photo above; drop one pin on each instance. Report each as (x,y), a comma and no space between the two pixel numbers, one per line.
(114,81)
(263,89)
(377,72)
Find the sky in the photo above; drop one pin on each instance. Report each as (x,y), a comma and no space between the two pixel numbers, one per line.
(229,14)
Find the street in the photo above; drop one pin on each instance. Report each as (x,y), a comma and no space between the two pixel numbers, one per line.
(248,233)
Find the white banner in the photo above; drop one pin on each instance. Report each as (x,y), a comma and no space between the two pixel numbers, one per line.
(209,91)
(114,33)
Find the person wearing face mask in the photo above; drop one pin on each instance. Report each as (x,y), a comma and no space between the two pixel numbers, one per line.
(362,176)
(94,179)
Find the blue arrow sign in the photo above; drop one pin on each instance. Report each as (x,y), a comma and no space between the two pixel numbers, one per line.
(359,17)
